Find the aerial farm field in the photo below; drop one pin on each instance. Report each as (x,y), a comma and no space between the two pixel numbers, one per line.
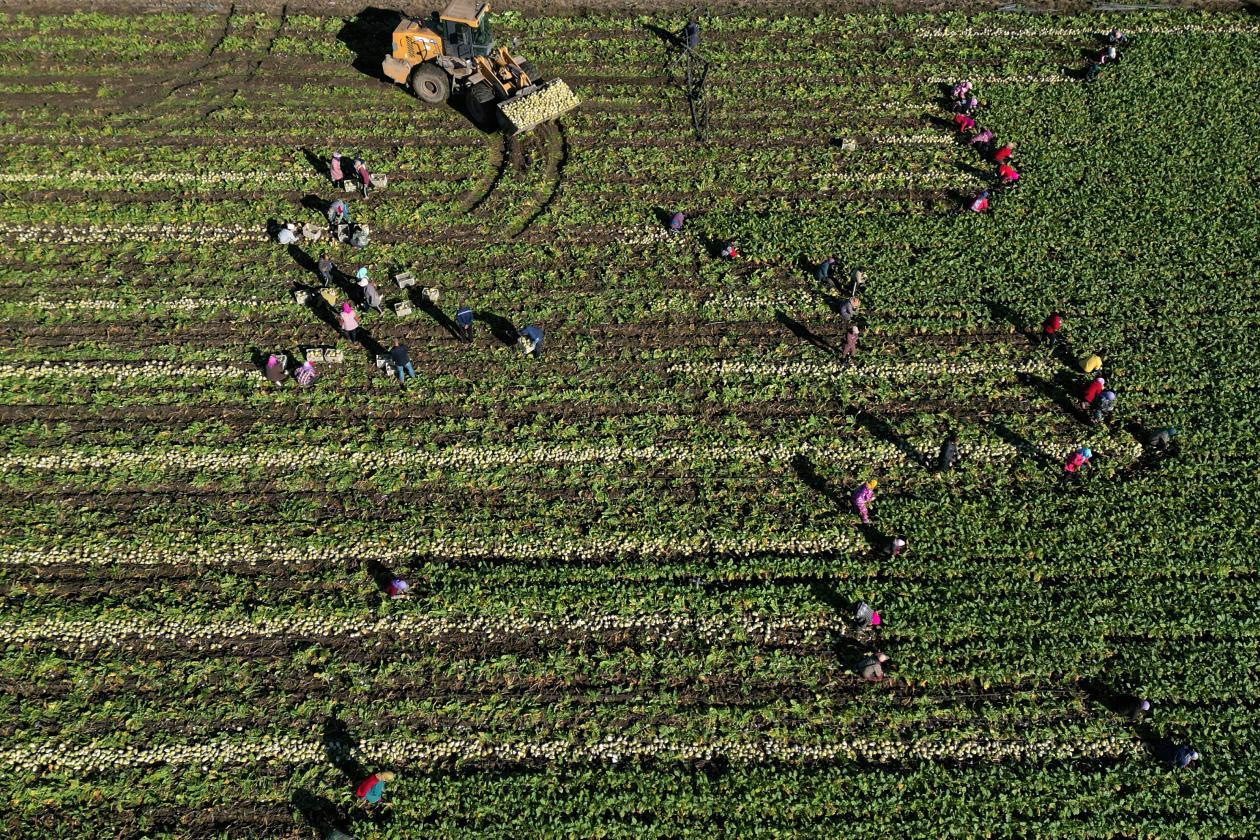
(633,560)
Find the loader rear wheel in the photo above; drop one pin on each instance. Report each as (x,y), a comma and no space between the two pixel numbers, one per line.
(431,84)
(478,101)
(528,68)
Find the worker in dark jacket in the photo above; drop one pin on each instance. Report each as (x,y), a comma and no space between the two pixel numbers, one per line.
(532,341)
(690,35)
(948,457)
(823,272)
(872,668)
(325,270)
(1161,439)
(401,360)
(464,321)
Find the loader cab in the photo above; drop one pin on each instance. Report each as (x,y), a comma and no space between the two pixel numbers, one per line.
(465,28)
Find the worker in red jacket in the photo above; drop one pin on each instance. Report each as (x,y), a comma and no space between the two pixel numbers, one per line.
(1004,153)
(1092,390)
(964,123)
(1050,329)
(1007,174)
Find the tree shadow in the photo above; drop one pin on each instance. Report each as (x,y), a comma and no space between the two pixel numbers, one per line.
(885,432)
(803,333)
(1021,444)
(320,813)
(319,164)
(368,35)
(805,471)
(501,328)
(1055,393)
(339,745)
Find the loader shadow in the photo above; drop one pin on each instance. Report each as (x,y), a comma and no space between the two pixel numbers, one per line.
(664,216)
(974,171)
(316,203)
(849,651)
(804,333)
(368,36)
(381,576)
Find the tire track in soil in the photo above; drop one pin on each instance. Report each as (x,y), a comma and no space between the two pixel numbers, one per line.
(499,157)
(556,146)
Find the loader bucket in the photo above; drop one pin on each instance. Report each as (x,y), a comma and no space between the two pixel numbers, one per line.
(535,105)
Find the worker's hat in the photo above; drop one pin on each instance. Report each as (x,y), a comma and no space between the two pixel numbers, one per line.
(1087,452)
(873,483)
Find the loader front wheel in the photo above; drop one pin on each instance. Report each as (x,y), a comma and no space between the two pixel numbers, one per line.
(479,102)
(431,84)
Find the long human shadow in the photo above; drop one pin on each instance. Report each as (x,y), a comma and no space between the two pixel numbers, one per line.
(804,333)
(974,171)
(339,745)
(1021,444)
(320,813)
(885,432)
(421,301)
(501,328)
(805,471)
(1003,314)
(669,37)
(847,650)
(1055,391)
(317,162)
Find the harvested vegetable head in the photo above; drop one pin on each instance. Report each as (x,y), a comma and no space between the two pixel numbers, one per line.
(545,103)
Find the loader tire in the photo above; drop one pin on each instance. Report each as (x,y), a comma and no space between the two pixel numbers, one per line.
(479,102)
(528,68)
(431,84)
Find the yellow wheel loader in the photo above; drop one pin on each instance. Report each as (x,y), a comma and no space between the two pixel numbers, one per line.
(454,54)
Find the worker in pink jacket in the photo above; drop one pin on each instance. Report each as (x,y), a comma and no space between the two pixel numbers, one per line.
(349,322)
(334,169)
(1078,460)
(862,498)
